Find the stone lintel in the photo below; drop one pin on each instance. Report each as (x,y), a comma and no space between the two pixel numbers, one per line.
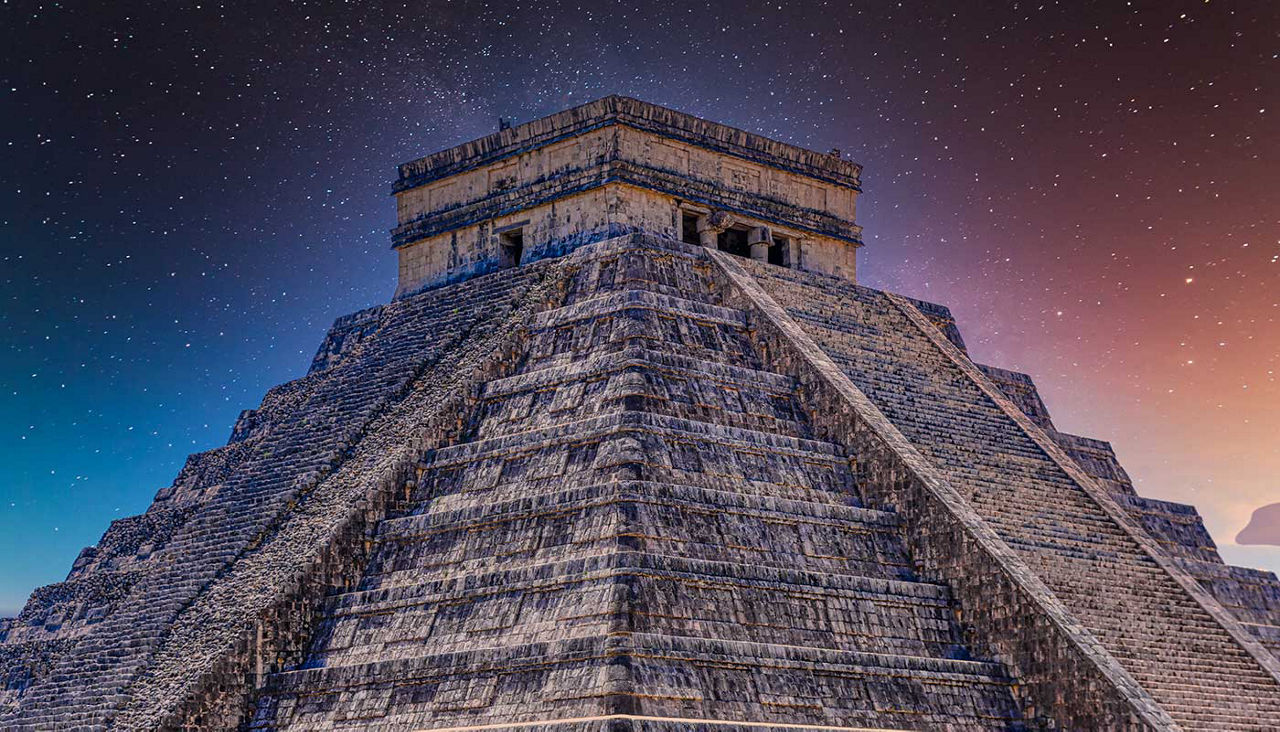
(696,193)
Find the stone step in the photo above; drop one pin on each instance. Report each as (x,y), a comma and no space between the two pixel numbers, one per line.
(686,366)
(1253,595)
(636,446)
(638,379)
(637,522)
(784,656)
(639,561)
(614,302)
(647,675)
(602,593)
(631,318)
(1104,577)
(670,519)
(644,264)
(672,494)
(634,421)
(634,723)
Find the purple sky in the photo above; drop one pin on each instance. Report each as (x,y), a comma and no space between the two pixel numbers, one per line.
(189,195)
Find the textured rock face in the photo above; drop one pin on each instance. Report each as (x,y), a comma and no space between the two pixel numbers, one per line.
(613,166)
(639,484)
(1049,497)
(640,522)
(617,490)
(229,557)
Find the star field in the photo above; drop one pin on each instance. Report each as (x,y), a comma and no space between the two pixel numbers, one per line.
(191,192)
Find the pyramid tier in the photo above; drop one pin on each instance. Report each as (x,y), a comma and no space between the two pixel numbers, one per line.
(645,675)
(639,522)
(640,379)
(671,519)
(1162,635)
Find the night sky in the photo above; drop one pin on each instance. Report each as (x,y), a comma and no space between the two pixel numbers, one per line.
(190,193)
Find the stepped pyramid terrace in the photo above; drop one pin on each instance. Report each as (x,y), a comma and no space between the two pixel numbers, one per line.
(631,450)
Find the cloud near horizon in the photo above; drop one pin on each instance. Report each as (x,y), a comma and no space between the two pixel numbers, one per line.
(1263,527)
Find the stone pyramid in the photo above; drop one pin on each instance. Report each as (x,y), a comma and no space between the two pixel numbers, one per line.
(630,450)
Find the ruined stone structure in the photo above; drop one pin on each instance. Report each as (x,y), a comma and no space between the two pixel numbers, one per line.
(617,166)
(631,450)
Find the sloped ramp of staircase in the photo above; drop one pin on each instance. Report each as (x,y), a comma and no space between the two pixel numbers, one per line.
(639,531)
(1195,660)
(645,486)
(177,612)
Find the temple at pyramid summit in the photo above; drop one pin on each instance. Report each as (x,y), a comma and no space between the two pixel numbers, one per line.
(631,450)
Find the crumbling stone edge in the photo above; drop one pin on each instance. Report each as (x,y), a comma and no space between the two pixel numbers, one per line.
(1064,672)
(1099,494)
(212,685)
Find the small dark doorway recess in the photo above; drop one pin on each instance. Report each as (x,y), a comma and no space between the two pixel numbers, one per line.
(734,241)
(512,248)
(689,228)
(780,251)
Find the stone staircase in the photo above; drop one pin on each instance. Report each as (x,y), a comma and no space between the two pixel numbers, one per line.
(1251,595)
(619,514)
(639,525)
(103,633)
(1189,663)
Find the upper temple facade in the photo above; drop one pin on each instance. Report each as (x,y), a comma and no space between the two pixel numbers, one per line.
(618,165)
(632,451)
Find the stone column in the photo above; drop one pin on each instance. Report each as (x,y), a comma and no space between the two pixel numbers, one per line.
(711,226)
(760,239)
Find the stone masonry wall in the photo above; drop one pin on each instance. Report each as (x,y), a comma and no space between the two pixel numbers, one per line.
(1157,622)
(637,433)
(1064,672)
(75,666)
(610,167)
(1251,595)
(639,524)
(205,679)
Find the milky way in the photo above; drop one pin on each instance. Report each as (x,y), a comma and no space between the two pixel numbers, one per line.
(190,193)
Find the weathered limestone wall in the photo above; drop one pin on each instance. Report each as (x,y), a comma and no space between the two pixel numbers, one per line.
(626,146)
(639,523)
(563,224)
(615,110)
(1021,390)
(532,486)
(547,176)
(174,620)
(1251,595)
(549,230)
(1065,674)
(1179,643)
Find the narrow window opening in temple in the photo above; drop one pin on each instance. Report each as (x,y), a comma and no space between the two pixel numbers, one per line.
(512,248)
(689,228)
(734,241)
(780,251)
